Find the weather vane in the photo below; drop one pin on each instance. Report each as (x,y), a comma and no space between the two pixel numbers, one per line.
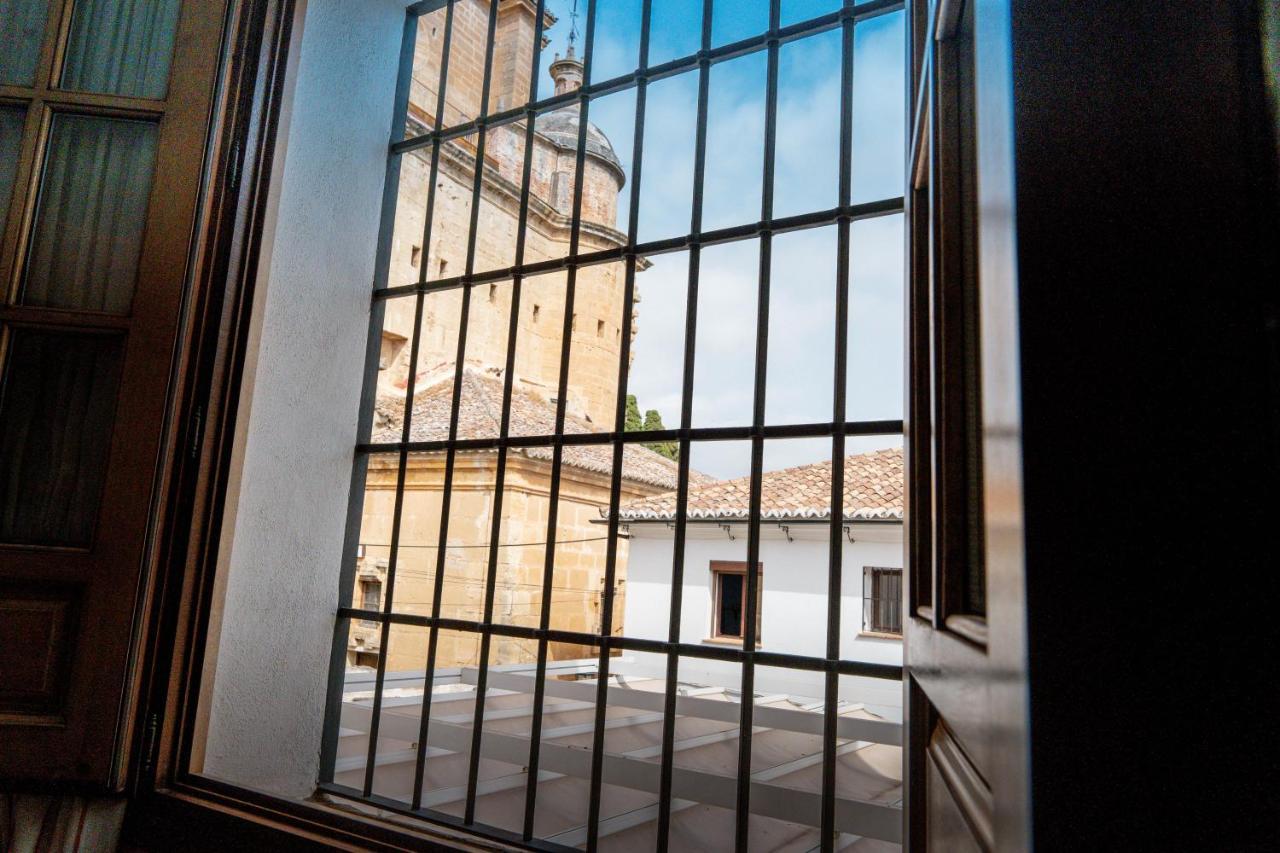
(573,26)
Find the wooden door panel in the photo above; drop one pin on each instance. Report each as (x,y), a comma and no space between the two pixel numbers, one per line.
(38,625)
(950,827)
(964,650)
(102,144)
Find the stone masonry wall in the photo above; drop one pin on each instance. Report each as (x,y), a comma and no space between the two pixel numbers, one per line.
(577,583)
(596,338)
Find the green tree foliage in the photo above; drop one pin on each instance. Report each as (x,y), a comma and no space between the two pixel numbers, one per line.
(633,423)
(652,420)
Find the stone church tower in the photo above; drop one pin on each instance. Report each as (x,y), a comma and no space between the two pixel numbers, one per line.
(598,317)
(464,550)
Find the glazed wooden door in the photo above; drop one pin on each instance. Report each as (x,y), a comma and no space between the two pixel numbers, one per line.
(104,112)
(967,739)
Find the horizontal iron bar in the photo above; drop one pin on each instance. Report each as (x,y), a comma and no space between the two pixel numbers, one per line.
(876,820)
(425,7)
(732,654)
(691,62)
(779,225)
(433,816)
(785,719)
(595,439)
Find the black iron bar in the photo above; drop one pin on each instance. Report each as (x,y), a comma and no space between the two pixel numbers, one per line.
(835,568)
(619,425)
(750,610)
(460,359)
(724,53)
(407,421)
(588,439)
(553,497)
(785,224)
(732,654)
(444,819)
(428,218)
(509,367)
(667,759)
(391,194)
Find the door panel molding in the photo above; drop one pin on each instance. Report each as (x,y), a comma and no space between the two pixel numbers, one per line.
(966,655)
(112,573)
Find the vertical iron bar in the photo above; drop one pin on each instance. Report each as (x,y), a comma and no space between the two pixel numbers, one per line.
(835,570)
(429,216)
(512,327)
(619,447)
(553,498)
(390,203)
(464,316)
(742,814)
(686,423)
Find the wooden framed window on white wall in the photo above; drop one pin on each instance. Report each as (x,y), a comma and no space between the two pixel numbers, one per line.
(729,610)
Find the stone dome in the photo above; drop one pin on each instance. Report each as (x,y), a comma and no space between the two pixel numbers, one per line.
(561,128)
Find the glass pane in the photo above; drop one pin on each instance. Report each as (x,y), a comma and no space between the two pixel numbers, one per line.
(879,110)
(121,46)
(10,141)
(21,35)
(57,403)
(90,216)
(731,605)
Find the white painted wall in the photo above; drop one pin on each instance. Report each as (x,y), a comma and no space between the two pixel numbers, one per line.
(793,605)
(287,504)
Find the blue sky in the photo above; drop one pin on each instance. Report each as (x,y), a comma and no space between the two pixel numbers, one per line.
(802,328)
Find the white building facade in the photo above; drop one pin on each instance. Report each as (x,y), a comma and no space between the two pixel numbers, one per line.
(795,536)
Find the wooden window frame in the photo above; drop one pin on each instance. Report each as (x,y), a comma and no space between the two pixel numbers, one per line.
(365,584)
(872,631)
(734,567)
(945,517)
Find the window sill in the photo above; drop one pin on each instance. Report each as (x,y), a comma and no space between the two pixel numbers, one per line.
(972,628)
(736,642)
(878,635)
(228,816)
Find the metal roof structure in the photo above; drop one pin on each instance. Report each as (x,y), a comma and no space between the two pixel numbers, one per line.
(786,755)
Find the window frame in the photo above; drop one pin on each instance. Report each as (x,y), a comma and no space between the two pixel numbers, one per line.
(718,569)
(870,574)
(258,61)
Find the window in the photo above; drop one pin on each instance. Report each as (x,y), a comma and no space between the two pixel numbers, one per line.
(493,460)
(415,256)
(371,594)
(730,581)
(370,598)
(882,601)
(505,557)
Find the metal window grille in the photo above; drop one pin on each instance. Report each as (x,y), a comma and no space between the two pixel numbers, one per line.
(882,600)
(546,680)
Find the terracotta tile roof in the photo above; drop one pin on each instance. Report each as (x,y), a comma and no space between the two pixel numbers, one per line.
(872,490)
(480,416)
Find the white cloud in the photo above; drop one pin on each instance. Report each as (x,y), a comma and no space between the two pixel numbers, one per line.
(801,334)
